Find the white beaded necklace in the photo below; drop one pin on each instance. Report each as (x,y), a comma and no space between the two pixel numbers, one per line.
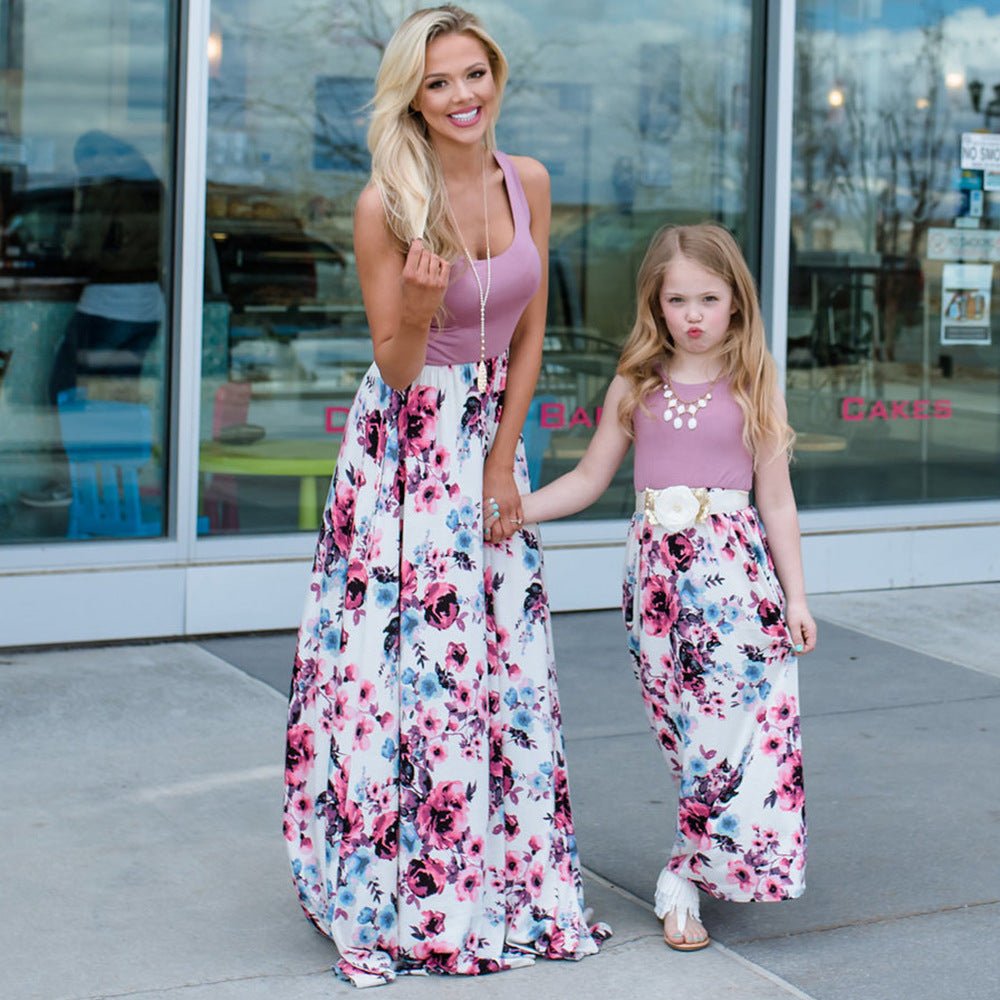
(677,407)
(484,294)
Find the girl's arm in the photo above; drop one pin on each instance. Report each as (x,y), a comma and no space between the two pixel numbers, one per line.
(524,360)
(583,485)
(401,294)
(776,503)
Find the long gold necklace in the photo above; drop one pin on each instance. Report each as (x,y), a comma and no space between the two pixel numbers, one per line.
(484,294)
(677,407)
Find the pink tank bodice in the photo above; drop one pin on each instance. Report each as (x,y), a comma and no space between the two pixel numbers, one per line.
(711,455)
(516,274)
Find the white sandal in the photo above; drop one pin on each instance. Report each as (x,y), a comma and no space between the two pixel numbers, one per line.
(679,896)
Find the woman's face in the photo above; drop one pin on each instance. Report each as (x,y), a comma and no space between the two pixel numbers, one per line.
(457,95)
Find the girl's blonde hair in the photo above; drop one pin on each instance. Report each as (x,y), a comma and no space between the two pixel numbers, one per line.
(747,363)
(405,168)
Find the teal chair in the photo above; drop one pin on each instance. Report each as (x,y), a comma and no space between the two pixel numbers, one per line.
(107,443)
(536,439)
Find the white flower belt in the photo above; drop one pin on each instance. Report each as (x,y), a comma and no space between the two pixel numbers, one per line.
(678,507)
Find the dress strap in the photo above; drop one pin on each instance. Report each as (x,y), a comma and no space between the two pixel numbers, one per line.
(515,191)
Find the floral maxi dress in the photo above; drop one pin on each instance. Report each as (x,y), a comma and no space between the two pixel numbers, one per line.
(427,814)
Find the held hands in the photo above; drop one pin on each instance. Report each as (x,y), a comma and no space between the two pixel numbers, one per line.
(802,627)
(502,514)
(425,280)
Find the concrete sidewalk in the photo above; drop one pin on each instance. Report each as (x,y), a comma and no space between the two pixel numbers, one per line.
(142,852)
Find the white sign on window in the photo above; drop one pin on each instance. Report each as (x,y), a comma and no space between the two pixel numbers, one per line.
(963,244)
(980,151)
(965,303)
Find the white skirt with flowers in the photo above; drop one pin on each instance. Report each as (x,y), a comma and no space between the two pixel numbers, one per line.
(427,813)
(716,666)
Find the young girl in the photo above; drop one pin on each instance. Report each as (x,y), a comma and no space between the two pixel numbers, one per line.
(715,613)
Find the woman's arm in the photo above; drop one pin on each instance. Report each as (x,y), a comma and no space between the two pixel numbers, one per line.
(401,294)
(524,360)
(776,503)
(581,486)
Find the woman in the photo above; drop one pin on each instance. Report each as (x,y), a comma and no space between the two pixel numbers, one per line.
(426,813)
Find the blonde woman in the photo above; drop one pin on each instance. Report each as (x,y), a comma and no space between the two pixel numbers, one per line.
(427,814)
(716,613)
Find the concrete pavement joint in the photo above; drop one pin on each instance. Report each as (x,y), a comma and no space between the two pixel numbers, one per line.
(937,703)
(759,970)
(867,922)
(261,977)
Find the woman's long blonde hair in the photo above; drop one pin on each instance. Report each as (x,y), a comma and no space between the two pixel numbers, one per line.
(405,168)
(747,363)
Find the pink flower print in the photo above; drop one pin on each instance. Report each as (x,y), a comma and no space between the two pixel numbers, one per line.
(340,712)
(693,817)
(791,794)
(385,835)
(742,875)
(660,607)
(424,877)
(437,753)
(536,880)
(299,754)
(427,496)
(430,725)
(440,460)
(442,819)
(456,658)
(771,888)
(441,604)
(375,436)
(467,886)
(474,849)
(679,552)
(437,955)
(431,923)
(341,513)
(513,868)
(362,727)
(784,713)
(300,806)
(356,585)
(366,692)
(421,419)
(771,618)
(773,744)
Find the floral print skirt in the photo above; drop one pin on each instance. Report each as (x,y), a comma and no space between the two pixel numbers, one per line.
(716,666)
(427,814)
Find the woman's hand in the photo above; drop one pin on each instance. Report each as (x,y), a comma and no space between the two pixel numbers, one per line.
(425,280)
(802,627)
(502,514)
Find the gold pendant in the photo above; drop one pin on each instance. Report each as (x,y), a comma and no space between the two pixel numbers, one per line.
(481,377)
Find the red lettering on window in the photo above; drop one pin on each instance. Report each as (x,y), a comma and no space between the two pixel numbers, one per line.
(899,411)
(878,410)
(580,417)
(551,415)
(920,408)
(942,409)
(845,408)
(331,428)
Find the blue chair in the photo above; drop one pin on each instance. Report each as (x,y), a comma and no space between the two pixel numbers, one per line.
(107,443)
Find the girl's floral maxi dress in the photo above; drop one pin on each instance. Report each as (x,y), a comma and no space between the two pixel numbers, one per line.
(719,678)
(427,813)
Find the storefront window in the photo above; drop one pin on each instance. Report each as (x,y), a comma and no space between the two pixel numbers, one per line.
(86,148)
(892,368)
(641,115)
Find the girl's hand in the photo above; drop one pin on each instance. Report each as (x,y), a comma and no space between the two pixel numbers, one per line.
(425,280)
(502,514)
(802,627)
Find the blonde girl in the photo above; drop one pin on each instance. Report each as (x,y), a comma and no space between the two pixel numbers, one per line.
(426,812)
(713,598)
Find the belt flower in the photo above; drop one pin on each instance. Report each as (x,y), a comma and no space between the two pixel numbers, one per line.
(677,507)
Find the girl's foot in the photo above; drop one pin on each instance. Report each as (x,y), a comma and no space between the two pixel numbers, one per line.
(677,907)
(693,937)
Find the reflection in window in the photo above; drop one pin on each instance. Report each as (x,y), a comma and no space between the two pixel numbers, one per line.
(85,149)
(664,137)
(893,393)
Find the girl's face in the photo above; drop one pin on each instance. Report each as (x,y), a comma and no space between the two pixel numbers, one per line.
(457,95)
(697,307)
